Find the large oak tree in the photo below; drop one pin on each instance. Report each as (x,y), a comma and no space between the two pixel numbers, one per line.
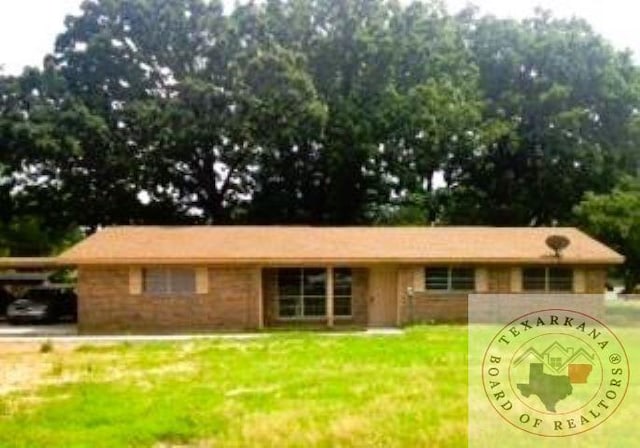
(314,111)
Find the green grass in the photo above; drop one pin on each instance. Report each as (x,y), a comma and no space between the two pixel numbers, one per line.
(282,390)
(486,428)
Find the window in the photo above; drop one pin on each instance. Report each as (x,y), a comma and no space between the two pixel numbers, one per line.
(169,281)
(560,279)
(342,281)
(534,279)
(302,292)
(437,278)
(450,279)
(547,279)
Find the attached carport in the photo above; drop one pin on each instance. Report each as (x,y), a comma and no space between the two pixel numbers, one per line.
(17,274)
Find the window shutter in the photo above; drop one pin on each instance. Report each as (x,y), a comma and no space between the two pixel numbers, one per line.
(482,280)
(579,281)
(418,279)
(515,284)
(135,281)
(202,280)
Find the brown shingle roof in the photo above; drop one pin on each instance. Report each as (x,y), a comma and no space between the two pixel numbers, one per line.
(281,245)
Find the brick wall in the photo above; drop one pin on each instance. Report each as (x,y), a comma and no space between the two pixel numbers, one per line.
(106,305)
(454,308)
(502,308)
(435,308)
(595,280)
(231,303)
(269,295)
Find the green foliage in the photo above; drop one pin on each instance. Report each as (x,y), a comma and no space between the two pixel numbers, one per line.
(314,111)
(29,235)
(565,101)
(615,219)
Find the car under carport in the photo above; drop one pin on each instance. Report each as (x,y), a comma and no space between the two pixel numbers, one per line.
(18,275)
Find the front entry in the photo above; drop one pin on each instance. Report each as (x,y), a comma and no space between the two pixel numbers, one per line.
(383,305)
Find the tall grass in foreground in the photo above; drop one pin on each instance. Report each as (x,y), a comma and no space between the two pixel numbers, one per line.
(282,390)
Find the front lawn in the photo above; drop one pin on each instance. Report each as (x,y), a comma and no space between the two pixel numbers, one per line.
(280,390)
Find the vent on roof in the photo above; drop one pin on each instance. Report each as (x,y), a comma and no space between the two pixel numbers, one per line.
(557,243)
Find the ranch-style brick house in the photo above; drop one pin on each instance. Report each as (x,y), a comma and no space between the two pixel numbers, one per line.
(202,278)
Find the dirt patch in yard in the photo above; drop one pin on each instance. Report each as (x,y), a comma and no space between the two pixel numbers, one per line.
(23,365)
(26,366)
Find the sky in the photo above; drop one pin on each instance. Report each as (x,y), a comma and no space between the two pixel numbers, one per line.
(28,27)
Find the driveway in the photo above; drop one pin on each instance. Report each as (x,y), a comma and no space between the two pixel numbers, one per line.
(69,333)
(13,331)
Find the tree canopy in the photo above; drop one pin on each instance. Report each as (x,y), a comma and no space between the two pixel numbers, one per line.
(313,111)
(615,218)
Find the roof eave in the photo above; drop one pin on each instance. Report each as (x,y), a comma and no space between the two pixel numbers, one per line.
(335,260)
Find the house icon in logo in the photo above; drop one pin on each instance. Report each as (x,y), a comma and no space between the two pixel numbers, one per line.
(557,358)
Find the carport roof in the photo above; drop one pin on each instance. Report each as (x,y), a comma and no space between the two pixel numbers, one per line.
(24,277)
(306,245)
(28,262)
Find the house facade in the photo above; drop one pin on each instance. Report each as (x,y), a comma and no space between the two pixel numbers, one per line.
(167,279)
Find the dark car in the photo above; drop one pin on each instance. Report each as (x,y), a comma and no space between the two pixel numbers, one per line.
(5,299)
(44,304)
